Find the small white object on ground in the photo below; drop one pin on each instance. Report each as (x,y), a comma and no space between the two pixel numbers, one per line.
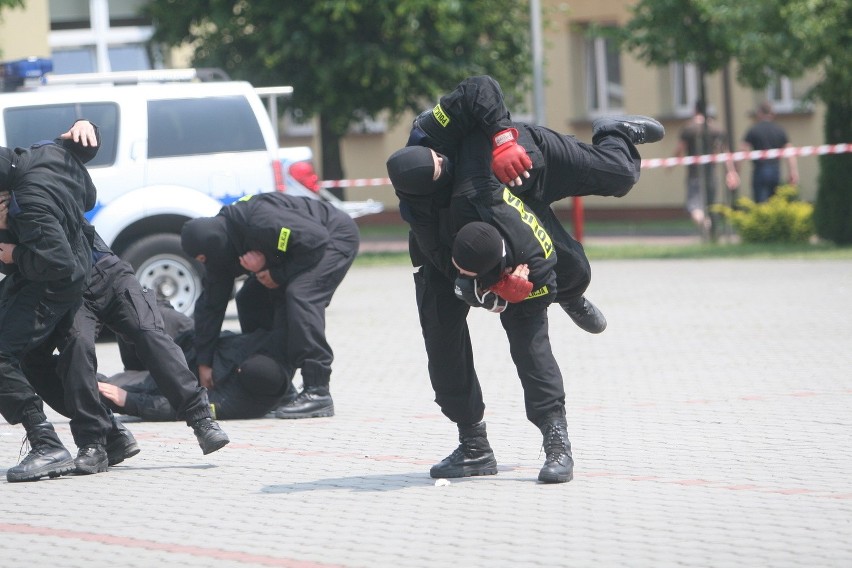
(442,482)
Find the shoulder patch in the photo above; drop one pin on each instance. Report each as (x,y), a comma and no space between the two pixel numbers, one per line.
(246,197)
(283,239)
(543,291)
(440,115)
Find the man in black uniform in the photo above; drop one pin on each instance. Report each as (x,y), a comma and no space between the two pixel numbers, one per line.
(296,252)
(471,129)
(46,257)
(249,384)
(250,379)
(508,268)
(115,299)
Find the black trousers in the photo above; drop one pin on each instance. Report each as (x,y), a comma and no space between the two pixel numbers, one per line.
(573,168)
(443,320)
(297,310)
(35,318)
(116,300)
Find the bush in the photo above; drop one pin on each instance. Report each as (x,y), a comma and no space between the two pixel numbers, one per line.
(781,219)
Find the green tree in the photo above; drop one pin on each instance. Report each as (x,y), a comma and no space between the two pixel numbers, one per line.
(688,31)
(791,37)
(767,38)
(352,59)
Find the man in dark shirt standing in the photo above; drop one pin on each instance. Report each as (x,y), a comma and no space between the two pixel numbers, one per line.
(702,136)
(766,134)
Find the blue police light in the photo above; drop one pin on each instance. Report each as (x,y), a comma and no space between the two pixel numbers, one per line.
(14,73)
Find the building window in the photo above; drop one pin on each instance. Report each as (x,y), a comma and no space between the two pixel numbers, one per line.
(605,92)
(98,36)
(684,88)
(782,94)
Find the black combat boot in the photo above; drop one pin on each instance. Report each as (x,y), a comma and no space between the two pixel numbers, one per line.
(636,128)
(585,314)
(47,456)
(92,458)
(121,444)
(210,436)
(558,465)
(472,457)
(313,402)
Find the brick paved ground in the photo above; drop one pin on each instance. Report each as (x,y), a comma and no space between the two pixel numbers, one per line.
(711,426)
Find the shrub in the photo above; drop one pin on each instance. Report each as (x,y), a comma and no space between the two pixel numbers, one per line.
(781,219)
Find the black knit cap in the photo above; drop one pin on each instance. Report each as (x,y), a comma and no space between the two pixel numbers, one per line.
(262,375)
(411,169)
(478,247)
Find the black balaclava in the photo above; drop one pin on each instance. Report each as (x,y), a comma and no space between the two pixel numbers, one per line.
(8,158)
(478,248)
(410,170)
(209,236)
(262,375)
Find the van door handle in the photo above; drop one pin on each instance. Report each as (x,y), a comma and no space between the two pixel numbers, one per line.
(137,150)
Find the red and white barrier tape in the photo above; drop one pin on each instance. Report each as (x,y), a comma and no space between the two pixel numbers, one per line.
(355,182)
(663,162)
(753,155)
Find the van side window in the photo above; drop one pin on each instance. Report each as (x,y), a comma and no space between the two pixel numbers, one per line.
(187,127)
(27,125)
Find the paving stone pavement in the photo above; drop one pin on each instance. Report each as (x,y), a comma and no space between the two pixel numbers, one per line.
(710,425)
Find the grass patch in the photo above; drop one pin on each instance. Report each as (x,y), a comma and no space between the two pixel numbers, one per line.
(821,251)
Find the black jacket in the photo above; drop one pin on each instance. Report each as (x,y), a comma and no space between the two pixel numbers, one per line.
(461,127)
(476,103)
(292,232)
(526,243)
(230,398)
(49,191)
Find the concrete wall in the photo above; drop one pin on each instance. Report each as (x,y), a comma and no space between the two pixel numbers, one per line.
(23,33)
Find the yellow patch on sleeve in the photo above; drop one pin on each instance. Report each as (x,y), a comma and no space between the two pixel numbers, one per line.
(531,220)
(439,114)
(246,197)
(543,291)
(283,239)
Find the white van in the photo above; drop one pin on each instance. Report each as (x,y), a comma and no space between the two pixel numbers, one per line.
(170,151)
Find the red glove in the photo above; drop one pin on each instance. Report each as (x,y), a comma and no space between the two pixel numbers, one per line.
(512,288)
(508,159)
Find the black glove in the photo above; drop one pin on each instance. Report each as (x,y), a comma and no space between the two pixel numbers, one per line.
(465,290)
(492,302)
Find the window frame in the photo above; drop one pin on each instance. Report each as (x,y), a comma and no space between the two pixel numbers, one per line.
(599,89)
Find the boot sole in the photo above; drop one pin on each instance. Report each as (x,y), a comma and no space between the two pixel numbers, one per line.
(217,445)
(51,472)
(555,478)
(488,469)
(89,470)
(118,455)
(324,413)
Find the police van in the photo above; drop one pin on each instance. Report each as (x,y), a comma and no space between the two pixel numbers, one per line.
(173,147)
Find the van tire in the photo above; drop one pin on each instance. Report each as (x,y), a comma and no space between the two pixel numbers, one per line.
(161,265)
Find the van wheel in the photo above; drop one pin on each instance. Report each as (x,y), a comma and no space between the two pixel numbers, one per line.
(161,265)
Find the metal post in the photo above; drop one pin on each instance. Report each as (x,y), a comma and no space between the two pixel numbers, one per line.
(99,19)
(538,62)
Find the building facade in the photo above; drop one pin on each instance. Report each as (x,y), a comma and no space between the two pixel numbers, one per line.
(584,77)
